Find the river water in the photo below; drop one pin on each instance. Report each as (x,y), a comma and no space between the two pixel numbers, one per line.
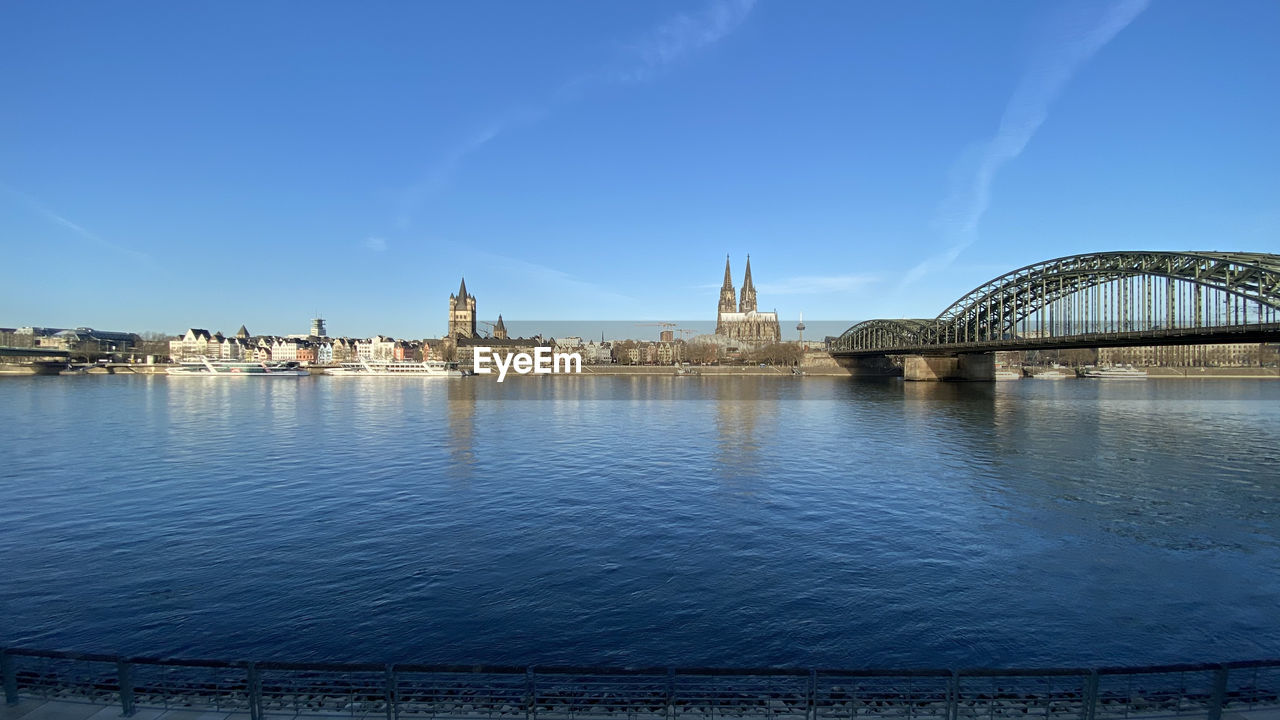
(642,520)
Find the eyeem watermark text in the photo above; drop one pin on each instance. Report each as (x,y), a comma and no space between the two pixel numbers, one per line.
(541,362)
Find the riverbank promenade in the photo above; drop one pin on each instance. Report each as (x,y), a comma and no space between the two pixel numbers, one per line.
(40,709)
(48,685)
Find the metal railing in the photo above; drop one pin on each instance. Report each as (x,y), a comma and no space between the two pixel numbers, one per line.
(272,689)
(938,341)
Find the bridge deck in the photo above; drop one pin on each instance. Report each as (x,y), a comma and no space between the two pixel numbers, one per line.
(1258,333)
(32,352)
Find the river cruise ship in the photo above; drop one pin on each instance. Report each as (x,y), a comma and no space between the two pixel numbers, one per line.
(1116,373)
(1050,374)
(237,368)
(397,368)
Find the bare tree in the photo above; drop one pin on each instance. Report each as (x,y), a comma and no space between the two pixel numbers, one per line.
(622,351)
(703,353)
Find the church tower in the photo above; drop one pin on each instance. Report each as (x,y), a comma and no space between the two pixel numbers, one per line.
(462,313)
(500,330)
(742,323)
(728,297)
(748,292)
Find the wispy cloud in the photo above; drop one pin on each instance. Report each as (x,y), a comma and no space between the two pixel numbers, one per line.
(537,275)
(685,34)
(438,175)
(659,49)
(375,244)
(1026,111)
(79,230)
(815,284)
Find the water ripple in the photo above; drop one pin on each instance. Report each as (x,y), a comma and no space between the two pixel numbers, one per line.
(646,520)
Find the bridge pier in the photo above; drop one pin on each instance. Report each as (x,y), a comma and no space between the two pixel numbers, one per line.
(963,367)
(32,368)
(869,366)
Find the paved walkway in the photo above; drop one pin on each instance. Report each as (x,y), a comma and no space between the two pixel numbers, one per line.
(37,709)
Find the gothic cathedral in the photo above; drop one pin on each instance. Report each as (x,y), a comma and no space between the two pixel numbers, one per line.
(738,319)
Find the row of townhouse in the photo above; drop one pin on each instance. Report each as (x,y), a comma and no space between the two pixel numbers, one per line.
(592,352)
(652,353)
(385,349)
(199,343)
(664,352)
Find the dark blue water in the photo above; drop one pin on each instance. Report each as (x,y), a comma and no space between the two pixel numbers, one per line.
(639,521)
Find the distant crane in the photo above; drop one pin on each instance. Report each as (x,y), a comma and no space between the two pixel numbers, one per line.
(666,326)
(490,325)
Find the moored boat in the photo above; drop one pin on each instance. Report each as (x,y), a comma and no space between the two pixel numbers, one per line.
(1008,375)
(237,368)
(397,368)
(1128,372)
(1050,375)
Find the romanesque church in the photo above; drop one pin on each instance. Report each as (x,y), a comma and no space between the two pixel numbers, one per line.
(462,313)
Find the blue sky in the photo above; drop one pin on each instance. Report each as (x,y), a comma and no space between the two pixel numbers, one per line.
(165,165)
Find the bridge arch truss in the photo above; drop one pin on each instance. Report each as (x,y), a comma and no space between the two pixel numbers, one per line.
(1094,296)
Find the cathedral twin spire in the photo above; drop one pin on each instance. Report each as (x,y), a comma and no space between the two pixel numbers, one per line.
(739,320)
(748,302)
(728,297)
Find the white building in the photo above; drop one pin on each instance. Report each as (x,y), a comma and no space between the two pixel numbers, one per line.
(196,343)
(379,348)
(234,348)
(597,353)
(263,349)
(286,349)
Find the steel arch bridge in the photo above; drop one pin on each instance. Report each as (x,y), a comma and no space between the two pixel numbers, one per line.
(1095,300)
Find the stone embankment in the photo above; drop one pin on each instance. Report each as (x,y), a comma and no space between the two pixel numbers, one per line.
(1226,373)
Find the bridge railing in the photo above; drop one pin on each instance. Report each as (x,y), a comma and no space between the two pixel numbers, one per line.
(1159,336)
(270,690)
(1107,293)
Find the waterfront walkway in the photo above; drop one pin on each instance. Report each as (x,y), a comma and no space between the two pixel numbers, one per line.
(39,709)
(52,685)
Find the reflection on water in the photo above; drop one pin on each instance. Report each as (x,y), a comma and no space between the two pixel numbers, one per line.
(462,417)
(642,520)
(738,447)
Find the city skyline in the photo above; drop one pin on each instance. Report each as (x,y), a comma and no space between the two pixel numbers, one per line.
(217,166)
(479,326)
